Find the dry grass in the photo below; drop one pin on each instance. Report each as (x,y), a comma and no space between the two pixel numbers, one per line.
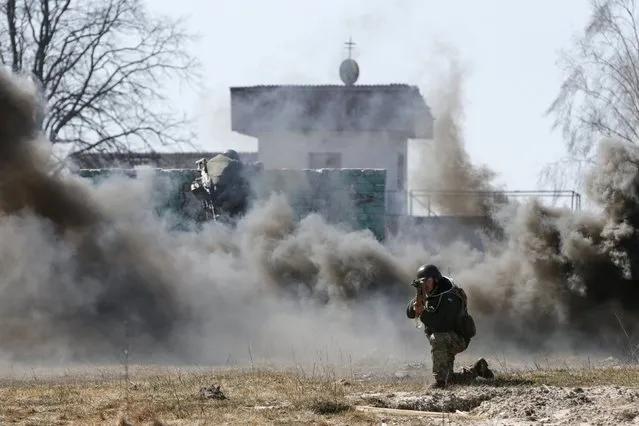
(567,377)
(170,396)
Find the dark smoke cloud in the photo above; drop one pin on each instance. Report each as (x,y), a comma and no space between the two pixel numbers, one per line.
(567,273)
(86,275)
(82,268)
(87,270)
(548,273)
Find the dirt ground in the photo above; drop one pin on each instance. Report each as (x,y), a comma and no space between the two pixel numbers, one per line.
(316,394)
(516,405)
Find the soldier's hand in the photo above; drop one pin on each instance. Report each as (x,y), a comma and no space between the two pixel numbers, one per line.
(418,307)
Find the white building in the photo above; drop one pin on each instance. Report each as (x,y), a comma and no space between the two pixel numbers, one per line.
(335,126)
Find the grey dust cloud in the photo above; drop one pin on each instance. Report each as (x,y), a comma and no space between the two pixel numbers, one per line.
(87,271)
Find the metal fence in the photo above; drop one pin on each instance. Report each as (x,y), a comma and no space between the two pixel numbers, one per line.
(421,202)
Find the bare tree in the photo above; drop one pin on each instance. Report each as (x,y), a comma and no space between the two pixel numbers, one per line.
(102,67)
(599,95)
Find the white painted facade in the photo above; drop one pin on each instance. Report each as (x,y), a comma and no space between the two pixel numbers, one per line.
(357,150)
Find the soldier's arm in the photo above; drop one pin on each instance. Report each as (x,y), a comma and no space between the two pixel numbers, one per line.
(410,311)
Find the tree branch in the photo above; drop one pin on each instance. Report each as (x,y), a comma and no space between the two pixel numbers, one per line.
(103,67)
(599,95)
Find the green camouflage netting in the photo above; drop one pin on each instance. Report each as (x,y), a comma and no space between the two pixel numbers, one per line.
(355,197)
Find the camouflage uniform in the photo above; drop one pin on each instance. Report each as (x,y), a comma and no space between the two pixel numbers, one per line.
(232,190)
(444,347)
(440,318)
(228,188)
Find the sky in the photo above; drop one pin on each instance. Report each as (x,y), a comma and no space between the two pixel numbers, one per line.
(511,48)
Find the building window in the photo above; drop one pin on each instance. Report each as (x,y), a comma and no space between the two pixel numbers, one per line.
(325,160)
(401,171)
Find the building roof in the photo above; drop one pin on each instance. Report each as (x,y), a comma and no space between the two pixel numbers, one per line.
(394,108)
(165,160)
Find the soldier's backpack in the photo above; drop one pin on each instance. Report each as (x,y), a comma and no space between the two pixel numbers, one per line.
(467,327)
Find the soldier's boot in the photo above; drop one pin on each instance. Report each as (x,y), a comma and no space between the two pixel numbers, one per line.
(438,384)
(482,370)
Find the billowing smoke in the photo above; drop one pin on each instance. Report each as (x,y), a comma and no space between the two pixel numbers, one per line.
(549,273)
(567,272)
(456,186)
(88,271)
(67,270)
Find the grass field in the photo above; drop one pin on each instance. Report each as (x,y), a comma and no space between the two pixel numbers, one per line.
(171,395)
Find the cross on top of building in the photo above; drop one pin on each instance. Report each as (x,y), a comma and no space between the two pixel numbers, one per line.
(349,45)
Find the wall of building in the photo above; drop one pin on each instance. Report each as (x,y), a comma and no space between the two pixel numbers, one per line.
(351,197)
(356,150)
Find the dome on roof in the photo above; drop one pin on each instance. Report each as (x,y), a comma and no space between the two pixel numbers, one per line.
(349,71)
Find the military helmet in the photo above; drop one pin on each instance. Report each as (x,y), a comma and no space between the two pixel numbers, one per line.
(232,154)
(428,271)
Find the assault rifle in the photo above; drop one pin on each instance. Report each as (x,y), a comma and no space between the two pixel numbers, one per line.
(204,190)
(420,298)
